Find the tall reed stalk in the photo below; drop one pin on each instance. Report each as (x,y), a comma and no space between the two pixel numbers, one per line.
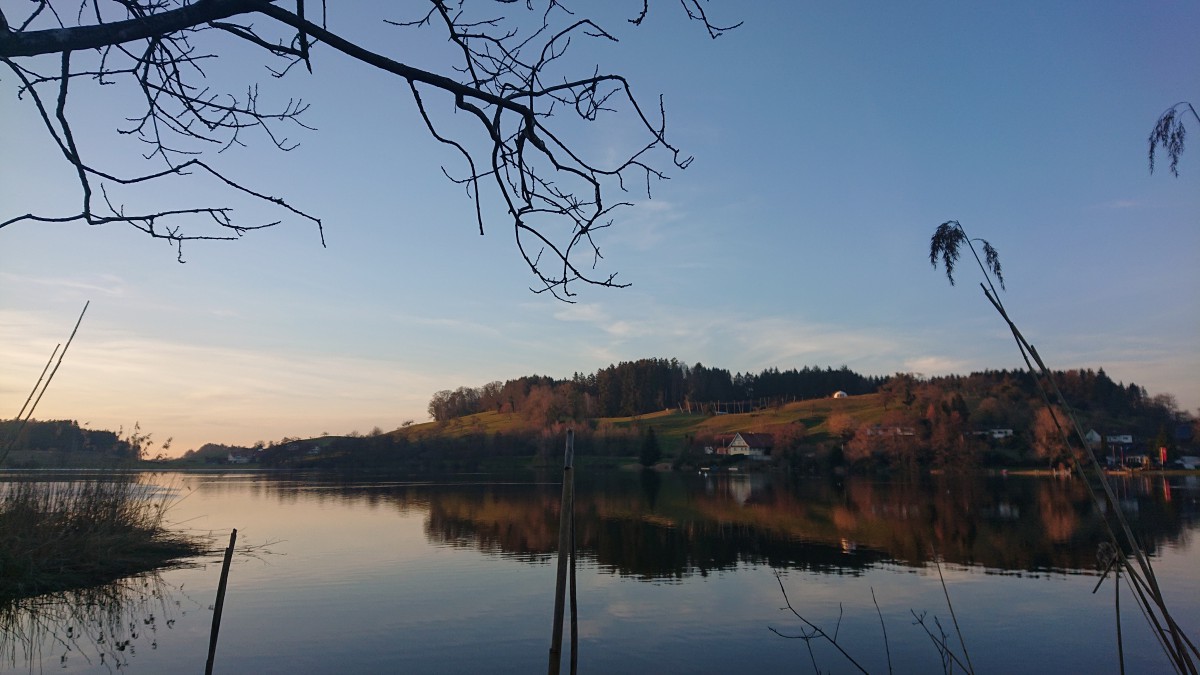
(945,245)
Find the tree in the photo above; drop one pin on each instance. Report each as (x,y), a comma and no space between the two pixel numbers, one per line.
(650,453)
(1048,441)
(841,425)
(509,75)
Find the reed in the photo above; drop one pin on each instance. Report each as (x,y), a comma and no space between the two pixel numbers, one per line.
(946,244)
(77,533)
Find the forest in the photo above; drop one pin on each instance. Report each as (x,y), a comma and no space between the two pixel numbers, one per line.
(68,436)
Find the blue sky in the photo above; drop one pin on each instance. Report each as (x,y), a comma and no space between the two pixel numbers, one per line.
(830,141)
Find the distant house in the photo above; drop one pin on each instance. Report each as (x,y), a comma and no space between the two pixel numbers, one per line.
(237,459)
(1119,443)
(878,430)
(840,394)
(1092,438)
(755,446)
(994,434)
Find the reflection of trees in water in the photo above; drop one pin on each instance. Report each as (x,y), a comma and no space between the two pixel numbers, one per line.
(104,625)
(673,525)
(699,525)
(403,493)
(515,520)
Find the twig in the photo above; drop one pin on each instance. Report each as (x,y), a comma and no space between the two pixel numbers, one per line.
(883,627)
(817,632)
(953,617)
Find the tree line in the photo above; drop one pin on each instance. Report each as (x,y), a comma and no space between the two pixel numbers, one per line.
(69,436)
(642,386)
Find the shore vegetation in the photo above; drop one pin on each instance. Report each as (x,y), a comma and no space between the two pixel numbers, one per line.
(82,532)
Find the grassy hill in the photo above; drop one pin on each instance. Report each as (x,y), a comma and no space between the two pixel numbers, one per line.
(673,427)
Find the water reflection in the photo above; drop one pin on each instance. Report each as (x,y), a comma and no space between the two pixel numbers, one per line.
(669,526)
(104,626)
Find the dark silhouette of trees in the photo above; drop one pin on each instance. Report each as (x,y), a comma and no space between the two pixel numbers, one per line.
(69,436)
(647,385)
(509,74)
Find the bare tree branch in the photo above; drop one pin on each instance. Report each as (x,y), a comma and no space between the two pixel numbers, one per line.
(511,76)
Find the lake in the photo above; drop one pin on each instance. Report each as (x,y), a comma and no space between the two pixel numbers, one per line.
(676,573)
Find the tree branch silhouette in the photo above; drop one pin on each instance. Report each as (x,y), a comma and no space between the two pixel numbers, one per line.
(510,75)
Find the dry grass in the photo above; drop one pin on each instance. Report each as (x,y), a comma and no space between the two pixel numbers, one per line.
(78,533)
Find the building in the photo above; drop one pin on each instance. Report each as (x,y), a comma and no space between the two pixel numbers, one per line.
(755,446)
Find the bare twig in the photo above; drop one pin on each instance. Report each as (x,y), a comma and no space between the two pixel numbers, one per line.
(882,626)
(954,617)
(816,631)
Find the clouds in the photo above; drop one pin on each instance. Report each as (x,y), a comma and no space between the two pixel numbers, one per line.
(68,287)
(734,339)
(199,393)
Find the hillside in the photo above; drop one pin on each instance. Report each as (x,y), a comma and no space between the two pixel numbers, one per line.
(989,418)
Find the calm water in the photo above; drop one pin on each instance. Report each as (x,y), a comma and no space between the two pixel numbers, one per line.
(676,574)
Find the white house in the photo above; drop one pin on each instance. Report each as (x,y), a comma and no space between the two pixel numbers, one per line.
(755,446)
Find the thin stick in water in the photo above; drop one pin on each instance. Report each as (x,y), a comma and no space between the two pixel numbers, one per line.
(216,622)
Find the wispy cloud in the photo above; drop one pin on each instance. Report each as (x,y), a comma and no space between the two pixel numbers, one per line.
(936,365)
(199,393)
(645,225)
(109,285)
(639,329)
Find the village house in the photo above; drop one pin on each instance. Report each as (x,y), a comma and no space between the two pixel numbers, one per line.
(994,434)
(878,430)
(755,446)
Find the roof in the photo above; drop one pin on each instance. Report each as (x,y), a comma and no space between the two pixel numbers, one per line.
(758,440)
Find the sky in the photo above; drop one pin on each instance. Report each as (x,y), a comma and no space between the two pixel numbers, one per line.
(829,142)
